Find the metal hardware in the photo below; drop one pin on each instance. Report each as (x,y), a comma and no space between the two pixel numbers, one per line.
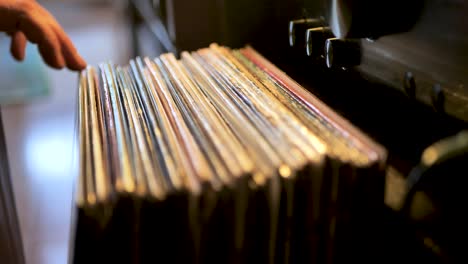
(297,30)
(342,52)
(315,41)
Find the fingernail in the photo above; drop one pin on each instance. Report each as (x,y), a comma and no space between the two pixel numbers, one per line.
(21,56)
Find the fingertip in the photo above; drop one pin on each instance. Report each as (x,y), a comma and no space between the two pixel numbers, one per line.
(20,56)
(17,57)
(52,57)
(14,52)
(57,62)
(61,61)
(78,64)
(18,45)
(73,60)
(54,65)
(82,62)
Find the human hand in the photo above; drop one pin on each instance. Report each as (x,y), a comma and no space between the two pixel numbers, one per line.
(26,20)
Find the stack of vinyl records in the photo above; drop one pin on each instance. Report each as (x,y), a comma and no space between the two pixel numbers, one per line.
(218,157)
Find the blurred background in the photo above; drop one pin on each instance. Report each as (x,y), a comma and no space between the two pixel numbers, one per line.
(38,111)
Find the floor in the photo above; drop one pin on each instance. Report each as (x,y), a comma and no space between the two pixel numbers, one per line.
(40,134)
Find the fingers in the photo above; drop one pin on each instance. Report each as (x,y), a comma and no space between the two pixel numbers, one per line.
(18,45)
(40,27)
(37,30)
(72,59)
